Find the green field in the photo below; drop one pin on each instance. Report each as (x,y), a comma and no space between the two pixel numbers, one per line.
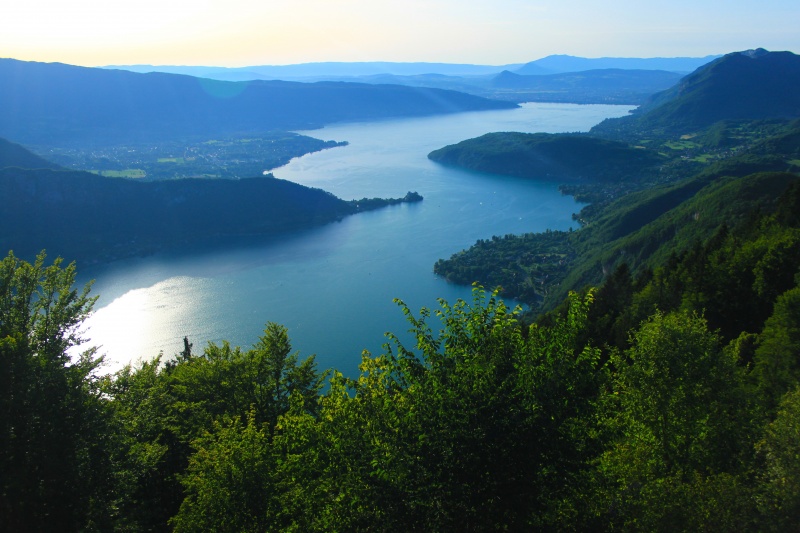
(127,173)
(681,145)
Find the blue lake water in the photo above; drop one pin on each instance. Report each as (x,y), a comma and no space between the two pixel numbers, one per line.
(333,286)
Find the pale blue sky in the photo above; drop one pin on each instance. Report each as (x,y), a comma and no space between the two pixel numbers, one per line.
(273,32)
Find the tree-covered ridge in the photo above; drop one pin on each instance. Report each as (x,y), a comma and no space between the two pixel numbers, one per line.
(641,230)
(14,155)
(110,218)
(752,85)
(560,158)
(643,236)
(482,424)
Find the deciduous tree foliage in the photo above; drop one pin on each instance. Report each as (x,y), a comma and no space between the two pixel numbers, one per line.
(779,490)
(51,415)
(676,407)
(480,423)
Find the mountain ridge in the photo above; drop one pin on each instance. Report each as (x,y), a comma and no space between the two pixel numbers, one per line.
(560,63)
(91,218)
(749,85)
(49,103)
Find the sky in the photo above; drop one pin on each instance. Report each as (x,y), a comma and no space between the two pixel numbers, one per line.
(235,33)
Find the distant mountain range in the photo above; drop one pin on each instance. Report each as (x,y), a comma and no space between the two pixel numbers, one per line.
(321,71)
(553,64)
(556,64)
(609,86)
(53,103)
(556,78)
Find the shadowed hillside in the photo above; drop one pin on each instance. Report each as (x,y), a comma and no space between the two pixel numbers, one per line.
(93,218)
(53,103)
(750,85)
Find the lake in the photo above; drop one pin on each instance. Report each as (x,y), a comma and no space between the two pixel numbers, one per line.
(333,286)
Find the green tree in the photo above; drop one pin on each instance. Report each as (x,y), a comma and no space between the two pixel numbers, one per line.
(52,418)
(230,478)
(679,414)
(481,425)
(777,357)
(779,483)
(147,453)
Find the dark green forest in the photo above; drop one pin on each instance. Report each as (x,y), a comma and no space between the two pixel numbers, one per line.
(655,388)
(637,406)
(110,218)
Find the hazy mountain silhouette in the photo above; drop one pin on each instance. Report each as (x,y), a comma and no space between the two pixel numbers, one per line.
(604,85)
(53,103)
(322,70)
(565,63)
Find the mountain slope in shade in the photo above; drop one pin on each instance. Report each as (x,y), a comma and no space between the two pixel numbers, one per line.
(91,218)
(83,216)
(14,155)
(52,103)
(750,85)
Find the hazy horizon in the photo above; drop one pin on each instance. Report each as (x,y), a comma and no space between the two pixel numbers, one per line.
(240,33)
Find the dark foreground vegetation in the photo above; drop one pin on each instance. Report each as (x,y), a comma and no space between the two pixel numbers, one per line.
(581,422)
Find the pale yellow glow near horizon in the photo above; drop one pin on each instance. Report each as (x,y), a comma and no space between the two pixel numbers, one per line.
(248,32)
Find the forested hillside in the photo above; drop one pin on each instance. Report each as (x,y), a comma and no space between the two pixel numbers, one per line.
(481,425)
(14,155)
(92,218)
(669,192)
(750,85)
(660,392)
(560,158)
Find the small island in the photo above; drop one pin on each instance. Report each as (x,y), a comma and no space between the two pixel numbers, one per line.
(368,204)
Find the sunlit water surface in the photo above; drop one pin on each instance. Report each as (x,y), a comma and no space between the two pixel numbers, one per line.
(333,286)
